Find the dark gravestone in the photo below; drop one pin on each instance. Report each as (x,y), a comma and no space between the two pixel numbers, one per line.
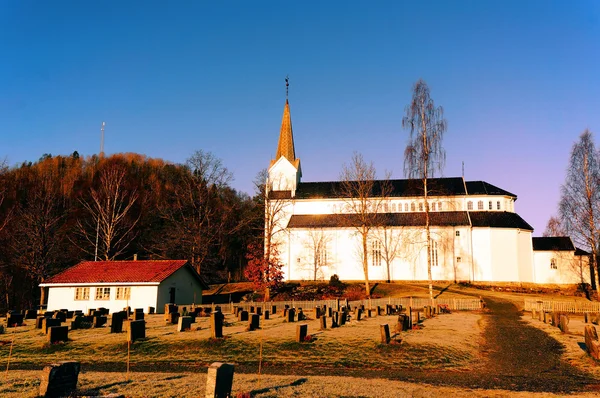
(136,330)
(285,312)
(31,314)
(219,380)
(77,312)
(103,311)
(49,322)
(370,313)
(70,314)
(385,333)
(291,315)
(39,321)
(14,319)
(62,316)
(259,310)
(170,309)
(216,324)
(378,310)
(555,319)
(388,309)
(403,323)
(57,334)
(266,315)
(128,310)
(585,318)
(237,310)
(273,309)
(91,311)
(116,323)
(335,319)
(100,321)
(592,345)
(301,316)
(77,322)
(317,312)
(138,315)
(323,322)
(49,314)
(184,324)
(253,322)
(59,379)
(343,317)
(172,318)
(330,312)
(359,314)
(243,316)
(252,309)
(301,332)
(151,310)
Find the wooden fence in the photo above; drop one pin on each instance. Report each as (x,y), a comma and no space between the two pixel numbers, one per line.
(414,302)
(574,307)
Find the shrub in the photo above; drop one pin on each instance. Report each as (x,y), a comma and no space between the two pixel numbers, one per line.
(334,281)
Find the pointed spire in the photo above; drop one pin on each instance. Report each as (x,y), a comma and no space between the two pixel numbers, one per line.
(285,146)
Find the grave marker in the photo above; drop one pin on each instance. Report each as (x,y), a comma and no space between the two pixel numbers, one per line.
(243,316)
(151,310)
(31,314)
(14,319)
(49,322)
(291,314)
(57,334)
(117,319)
(323,322)
(184,324)
(253,322)
(592,345)
(216,324)
(385,333)
(266,315)
(562,323)
(135,330)
(219,380)
(301,332)
(59,379)
(100,321)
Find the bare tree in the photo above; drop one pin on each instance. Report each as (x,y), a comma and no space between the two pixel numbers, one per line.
(392,240)
(579,206)
(316,243)
(424,154)
(554,228)
(111,228)
(364,199)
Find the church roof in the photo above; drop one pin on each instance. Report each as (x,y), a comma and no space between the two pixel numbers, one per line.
(405,188)
(495,219)
(285,146)
(553,243)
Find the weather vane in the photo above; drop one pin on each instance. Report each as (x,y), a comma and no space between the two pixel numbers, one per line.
(287,86)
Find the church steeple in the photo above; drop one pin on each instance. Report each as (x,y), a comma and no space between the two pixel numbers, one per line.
(285,172)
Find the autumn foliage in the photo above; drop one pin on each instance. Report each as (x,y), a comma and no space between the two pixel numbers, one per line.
(265,271)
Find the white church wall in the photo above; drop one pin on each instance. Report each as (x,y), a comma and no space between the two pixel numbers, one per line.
(568,267)
(504,254)
(283,176)
(482,263)
(525,260)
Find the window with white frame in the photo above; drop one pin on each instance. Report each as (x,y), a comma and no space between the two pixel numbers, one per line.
(553,263)
(490,207)
(433,247)
(498,205)
(103,293)
(469,205)
(376,252)
(480,205)
(82,293)
(420,206)
(457,233)
(433,206)
(412,206)
(406,207)
(123,293)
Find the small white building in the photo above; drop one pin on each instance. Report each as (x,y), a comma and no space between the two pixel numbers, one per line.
(118,284)
(557,260)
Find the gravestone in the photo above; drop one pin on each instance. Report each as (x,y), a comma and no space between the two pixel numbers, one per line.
(586,318)
(237,311)
(219,380)
(243,316)
(335,319)
(259,310)
(369,313)
(100,321)
(117,319)
(184,324)
(285,312)
(57,334)
(291,315)
(253,322)
(70,314)
(59,379)
(342,319)
(403,323)
(49,314)
(378,310)
(170,309)
(252,309)
(39,321)
(138,315)
(49,322)
(323,322)
(301,332)
(301,316)
(359,314)
(136,330)
(388,309)
(385,333)
(31,314)
(563,322)
(76,322)
(14,319)
(266,315)
(592,345)
(91,311)
(151,310)
(61,316)
(128,310)
(555,319)
(541,316)
(330,312)
(77,312)
(273,309)
(216,324)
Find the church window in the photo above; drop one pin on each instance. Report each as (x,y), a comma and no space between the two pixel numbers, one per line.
(412,206)
(440,206)
(386,207)
(82,293)
(420,206)
(480,205)
(458,259)
(490,205)
(433,206)
(103,293)
(498,205)
(457,233)
(469,205)
(406,207)
(322,255)
(123,293)
(394,207)
(553,263)
(434,253)
(376,252)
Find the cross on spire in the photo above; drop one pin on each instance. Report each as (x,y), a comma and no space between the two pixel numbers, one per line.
(287,86)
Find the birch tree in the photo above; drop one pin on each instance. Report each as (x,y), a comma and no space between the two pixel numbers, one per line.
(424,154)
(579,206)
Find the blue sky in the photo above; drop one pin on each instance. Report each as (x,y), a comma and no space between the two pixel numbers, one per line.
(519,81)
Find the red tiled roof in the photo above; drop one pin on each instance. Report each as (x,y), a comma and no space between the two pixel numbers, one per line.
(118,271)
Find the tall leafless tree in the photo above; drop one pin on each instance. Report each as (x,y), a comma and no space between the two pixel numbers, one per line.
(364,200)
(554,228)
(424,154)
(111,228)
(579,207)
(317,242)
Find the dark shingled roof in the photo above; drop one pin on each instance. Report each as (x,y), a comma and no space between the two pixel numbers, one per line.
(554,243)
(444,218)
(404,188)
(581,252)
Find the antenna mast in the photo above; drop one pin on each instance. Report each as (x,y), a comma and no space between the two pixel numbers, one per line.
(102,139)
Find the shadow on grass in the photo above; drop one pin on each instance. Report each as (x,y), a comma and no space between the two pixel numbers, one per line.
(276,388)
(97,391)
(442,291)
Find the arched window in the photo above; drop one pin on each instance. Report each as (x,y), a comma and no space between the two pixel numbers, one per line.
(420,206)
(412,206)
(440,206)
(434,253)
(393,207)
(433,206)
(469,205)
(480,205)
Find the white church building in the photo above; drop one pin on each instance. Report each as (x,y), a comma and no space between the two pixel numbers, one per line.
(476,235)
